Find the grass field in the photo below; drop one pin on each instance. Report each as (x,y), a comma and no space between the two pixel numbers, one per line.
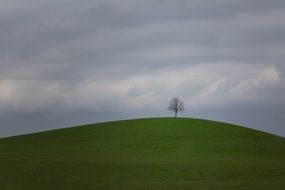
(162,153)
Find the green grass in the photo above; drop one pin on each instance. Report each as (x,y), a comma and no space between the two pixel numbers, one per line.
(162,153)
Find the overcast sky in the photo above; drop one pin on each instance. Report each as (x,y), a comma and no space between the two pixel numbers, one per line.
(64,63)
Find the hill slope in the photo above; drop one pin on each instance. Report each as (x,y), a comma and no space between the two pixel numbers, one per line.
(162,153)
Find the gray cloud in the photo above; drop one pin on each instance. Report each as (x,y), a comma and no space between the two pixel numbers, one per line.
(64,63)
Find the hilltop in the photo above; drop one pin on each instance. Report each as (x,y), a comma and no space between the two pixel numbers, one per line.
(158,153)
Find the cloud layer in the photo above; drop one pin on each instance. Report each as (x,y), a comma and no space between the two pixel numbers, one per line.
(64,63)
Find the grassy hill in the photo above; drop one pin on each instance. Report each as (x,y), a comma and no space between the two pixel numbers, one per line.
(162,153)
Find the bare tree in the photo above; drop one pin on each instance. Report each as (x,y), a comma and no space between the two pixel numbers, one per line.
(176,105)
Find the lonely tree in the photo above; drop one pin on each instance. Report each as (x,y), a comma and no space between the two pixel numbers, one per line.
(176,105)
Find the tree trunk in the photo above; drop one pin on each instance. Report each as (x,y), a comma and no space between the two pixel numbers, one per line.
(175,114)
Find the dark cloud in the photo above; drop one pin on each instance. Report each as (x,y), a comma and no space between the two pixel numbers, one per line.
(64,63)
